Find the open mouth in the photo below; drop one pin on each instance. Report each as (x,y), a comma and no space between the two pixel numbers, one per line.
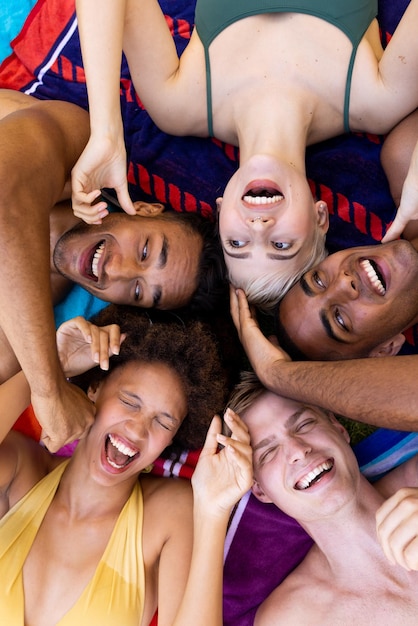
(92,262)
(261,196)
(118,454)
(315,475)
(374,276)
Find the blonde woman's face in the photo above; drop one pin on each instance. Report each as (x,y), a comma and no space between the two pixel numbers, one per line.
(267,219)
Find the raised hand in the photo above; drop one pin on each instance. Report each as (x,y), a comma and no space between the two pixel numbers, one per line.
(102,164)
(408,207)
(397,528)
(82,345)
(261,352)
(222,477)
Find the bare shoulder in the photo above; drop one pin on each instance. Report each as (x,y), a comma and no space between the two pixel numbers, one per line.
(170,498)
(11,101)
(23,463)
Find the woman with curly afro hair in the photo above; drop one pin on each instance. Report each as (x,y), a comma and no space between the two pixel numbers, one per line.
(82,540)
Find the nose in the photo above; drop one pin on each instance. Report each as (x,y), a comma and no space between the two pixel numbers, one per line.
(347,284)
(259,223)
(297,449)
(121,268)
(138,428)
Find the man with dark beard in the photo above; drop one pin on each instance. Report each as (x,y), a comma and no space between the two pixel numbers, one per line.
(143,260)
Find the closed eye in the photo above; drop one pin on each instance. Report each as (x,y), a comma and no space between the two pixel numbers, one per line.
(267,455)
(130,404)
(305,425)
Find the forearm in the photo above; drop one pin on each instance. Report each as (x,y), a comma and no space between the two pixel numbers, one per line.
(378,391)
(152,56)
(26,313)
(100,25)
(14,398)
(202,599)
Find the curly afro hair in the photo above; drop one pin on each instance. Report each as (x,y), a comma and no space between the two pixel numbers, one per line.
(188,346)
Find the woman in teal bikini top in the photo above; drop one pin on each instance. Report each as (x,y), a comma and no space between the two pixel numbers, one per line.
(268,77)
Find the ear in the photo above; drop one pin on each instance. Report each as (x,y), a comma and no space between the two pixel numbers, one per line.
(147,209)
(259,493)
(390,347)
(219,203)
(337,424)
(93,392)
(322,215)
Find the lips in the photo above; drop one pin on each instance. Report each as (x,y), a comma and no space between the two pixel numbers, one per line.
(314,475)
(119,454)
(374,276)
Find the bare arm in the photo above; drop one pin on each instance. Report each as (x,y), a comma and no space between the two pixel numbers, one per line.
(218,482)
(30,187)
(103,162)
(379,391)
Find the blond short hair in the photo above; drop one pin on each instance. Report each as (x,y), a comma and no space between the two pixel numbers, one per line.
(268,289)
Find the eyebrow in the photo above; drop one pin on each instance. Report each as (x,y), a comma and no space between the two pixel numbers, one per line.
(135,396)
(328,328)
(270,255)
(295,416)
(322,314)
(288,425)
(162,262)
(305,287)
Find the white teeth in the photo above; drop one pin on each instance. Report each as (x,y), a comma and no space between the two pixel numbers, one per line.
(306,481)
(257,200)
(375,281)
(96,259)
(122,447)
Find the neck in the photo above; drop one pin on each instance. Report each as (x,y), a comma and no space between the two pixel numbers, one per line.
(83,497)
(345,542)
(279,127)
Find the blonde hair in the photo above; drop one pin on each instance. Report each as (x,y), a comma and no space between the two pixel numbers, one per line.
(246,392)
(268,289)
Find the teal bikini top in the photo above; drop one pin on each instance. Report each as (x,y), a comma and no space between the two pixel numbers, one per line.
(353,17)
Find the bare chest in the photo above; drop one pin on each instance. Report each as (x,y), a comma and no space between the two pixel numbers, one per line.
(60,565)
(325,604)
(277,55)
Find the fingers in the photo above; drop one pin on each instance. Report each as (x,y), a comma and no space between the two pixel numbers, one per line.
(86,209)
(105,342)
(240,310)
(125,200)
(239,439)
(397,528)
(211,442)
(395,230)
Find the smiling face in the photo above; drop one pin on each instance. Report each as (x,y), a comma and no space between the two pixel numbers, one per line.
(267,220)
(302,458)
(139,409)
(355,303)
(140,261)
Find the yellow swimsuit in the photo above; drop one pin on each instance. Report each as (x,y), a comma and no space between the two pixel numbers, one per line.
(115,594)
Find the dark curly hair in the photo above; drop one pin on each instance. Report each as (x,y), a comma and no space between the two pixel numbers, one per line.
(189,347)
